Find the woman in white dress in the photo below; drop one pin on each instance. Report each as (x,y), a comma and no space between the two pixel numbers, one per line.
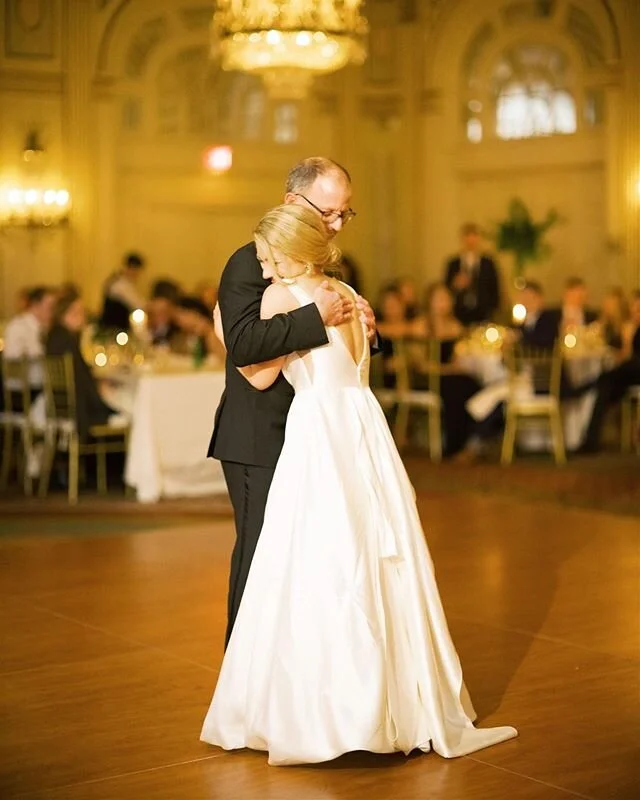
(341,642)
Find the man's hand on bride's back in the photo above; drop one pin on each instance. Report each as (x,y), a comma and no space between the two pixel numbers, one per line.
(333,307)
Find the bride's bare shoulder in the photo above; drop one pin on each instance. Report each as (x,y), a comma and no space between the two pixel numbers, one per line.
(277,299)
(342,287)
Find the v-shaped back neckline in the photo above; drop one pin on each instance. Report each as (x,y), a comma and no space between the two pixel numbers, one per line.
(293,288)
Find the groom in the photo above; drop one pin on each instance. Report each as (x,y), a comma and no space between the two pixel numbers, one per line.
(249,425)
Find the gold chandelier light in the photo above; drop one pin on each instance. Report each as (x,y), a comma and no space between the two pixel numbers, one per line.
(288,42)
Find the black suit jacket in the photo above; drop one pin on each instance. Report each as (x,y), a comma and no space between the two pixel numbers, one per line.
(544,332)
(90,407)
(480,302)
(249,424)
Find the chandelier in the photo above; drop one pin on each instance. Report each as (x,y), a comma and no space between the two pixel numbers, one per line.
(288,42)
(28,203)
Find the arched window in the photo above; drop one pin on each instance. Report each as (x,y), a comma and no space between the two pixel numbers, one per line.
(532,89)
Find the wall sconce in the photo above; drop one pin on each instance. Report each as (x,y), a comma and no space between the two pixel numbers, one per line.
(31,205)
(219,159)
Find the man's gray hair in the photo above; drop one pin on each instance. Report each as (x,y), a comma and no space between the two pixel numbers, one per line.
(302,176)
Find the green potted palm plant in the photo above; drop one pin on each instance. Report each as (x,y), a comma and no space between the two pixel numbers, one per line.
(524,238)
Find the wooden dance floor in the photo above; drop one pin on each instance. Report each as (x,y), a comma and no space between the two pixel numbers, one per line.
(111,643)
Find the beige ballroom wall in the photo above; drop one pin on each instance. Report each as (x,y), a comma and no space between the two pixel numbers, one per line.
(94,77)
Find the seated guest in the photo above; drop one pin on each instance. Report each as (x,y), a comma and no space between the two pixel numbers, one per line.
(614,315)
(64,337)
(121,295)
(631,331)
(574,311)
(456,386)
(473,279)
(162,310)
(612,385)
(392,324)
(197,335)
(540,326)
(409,294)
(24,334)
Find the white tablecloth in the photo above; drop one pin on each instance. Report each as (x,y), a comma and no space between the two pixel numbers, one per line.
(534,436)
(171,426)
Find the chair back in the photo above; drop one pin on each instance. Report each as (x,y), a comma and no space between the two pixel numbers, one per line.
(15,385)
(417,355)
(59,387)
(532,369)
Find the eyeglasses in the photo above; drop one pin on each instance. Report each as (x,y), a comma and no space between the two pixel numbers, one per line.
(331,216)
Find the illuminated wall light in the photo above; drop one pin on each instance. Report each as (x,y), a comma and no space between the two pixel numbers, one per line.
(219,159)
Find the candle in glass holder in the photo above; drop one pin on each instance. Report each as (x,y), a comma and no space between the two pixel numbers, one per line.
(138,321)
(519,313)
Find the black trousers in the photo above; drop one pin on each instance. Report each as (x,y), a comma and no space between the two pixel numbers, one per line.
(248,489)
(611,388)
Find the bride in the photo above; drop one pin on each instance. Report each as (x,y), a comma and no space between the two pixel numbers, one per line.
(341,642)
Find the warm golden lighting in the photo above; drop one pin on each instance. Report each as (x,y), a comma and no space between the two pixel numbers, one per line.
(219,159)
(101,359)
(492,334)
(32,207)
(288,41)
(570,341)
(138,316)
(122,338)
(519,313)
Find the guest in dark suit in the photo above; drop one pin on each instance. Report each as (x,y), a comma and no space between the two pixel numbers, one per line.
(249,425)
(612,385)
(540,326)
(473,279)
(573,311)
(121,295)
(64,337)
(162,306)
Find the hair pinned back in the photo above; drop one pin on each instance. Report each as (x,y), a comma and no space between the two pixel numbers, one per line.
(299,234)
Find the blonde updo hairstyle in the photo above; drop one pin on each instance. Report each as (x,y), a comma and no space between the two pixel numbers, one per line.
(299,234)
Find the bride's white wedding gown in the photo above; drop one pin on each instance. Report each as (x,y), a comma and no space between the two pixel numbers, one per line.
(341,642)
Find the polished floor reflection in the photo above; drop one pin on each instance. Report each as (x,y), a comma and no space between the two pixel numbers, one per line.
(111,644)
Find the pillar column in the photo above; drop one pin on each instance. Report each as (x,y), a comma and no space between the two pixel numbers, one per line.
(78,143)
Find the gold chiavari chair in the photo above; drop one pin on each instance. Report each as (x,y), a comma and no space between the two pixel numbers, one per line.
(405,397)
(534,377)
(16,417)
(62,429)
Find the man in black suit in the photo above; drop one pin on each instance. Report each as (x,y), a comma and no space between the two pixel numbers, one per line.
(574,311)
(540,326)
(249,426)
(473,279)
